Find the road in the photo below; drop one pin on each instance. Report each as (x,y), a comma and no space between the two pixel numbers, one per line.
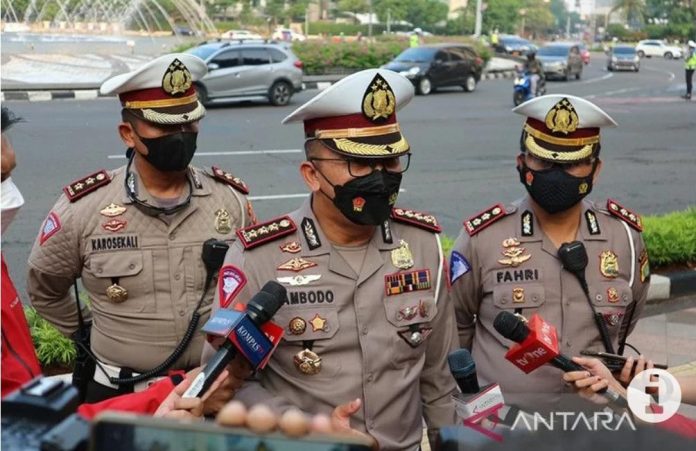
(464,145)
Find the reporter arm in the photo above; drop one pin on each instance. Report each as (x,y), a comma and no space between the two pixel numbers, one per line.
(688,389)
(145,402)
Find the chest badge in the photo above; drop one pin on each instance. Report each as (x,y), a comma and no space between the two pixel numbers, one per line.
(513,253)
(401,257)
(297,326)
(296,264)
(609,264)
(298,280)
(116,293)
(112,210)
(223,221)
(307,362)
(292,247)
(518,295)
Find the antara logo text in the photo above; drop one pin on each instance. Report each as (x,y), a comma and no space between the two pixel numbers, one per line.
(572,421)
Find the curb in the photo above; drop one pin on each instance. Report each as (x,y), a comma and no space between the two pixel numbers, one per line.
(663,287)
(90,94)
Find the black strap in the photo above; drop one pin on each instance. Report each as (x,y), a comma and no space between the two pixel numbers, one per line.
(308,344)
(599,320)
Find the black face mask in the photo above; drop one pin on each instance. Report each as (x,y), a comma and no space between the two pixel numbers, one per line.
(554,189)
(367,200)
(170,153)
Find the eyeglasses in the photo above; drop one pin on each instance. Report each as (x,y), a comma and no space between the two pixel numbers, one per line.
(365,166)
(579,168)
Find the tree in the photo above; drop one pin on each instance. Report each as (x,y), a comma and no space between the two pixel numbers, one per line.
(420,13)
(633,11)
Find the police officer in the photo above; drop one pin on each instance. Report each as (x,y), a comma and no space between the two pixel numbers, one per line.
(134,235)
(690,67)
(367,314)
(506,257)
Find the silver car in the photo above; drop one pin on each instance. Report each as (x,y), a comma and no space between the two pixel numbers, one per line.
(561,60)
(248,71)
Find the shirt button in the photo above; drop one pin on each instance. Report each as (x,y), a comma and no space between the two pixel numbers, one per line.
(131,266)
(364,330)
(568,343)
(503,301)
(598,297)
(172,236)
(177,276)
(99,270)
(369,378)
(181,312)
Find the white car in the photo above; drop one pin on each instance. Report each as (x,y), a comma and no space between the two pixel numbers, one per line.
(654,47)
(240,34)
(286,34)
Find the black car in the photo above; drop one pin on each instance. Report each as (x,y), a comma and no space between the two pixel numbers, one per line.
(514,45)
(433,66)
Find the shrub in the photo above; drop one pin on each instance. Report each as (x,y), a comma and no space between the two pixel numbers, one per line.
(52,347)
(671,238)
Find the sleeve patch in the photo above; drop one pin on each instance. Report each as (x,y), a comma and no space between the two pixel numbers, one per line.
(228,178)
(480,221)
(230,282)
(624,214)
(459,266)
(416,218)
(50,227)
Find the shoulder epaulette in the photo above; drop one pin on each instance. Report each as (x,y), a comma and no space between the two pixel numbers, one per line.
(416,218)
(81,187)
(480,221)
(632,219)
(234,182)
(264,232)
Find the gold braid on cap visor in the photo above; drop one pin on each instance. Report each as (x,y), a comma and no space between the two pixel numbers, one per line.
(554,155)
(164,118)
(387,150)
(161,103)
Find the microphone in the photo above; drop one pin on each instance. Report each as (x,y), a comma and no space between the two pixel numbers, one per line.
(242,333)
(537,345)
(463,369)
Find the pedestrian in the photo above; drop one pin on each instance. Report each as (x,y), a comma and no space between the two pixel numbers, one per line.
(19,361)
(135,236)
(506,258)
(416,38)
(690,67)
(495,38)
(368,320)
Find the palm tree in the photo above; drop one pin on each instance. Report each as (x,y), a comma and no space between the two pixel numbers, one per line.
(632,10)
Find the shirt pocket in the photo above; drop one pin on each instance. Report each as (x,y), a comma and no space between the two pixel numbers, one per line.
(129,270)
(408,314)
(304,325)
(611,300)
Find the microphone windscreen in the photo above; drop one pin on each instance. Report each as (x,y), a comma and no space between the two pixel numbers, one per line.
(461,363)
(511,327)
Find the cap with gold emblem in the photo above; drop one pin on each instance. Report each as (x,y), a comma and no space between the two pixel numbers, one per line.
(562,128)
(162,90)
(357,116)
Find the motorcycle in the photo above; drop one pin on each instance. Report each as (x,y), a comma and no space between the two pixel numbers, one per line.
(522,87)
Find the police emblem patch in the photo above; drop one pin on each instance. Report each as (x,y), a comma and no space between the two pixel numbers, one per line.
(379,101)
(562,118)
(50,227)
(177,79)
(230,282)
(459,266)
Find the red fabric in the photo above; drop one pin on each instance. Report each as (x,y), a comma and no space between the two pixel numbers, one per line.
(579,133)
(679,424)
(152,94)
(144,402)
(338,122)
(19,362)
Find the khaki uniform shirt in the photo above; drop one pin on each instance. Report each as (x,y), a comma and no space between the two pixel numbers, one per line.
(362,354)
(540,285)
(157,260)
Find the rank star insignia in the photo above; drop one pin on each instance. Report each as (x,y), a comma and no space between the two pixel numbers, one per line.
(612,295)
(609,264)
(299,280)
(223,221)
(319,324)
(401,257)
(292,247)
(296,264)
(112,210)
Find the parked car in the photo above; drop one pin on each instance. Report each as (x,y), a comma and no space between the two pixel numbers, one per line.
(248,71)
(240,35)
(184,31)
(514,45)
(623,57)
(584,53)
(561,60)
(286,34)
(654,47)
(432,66)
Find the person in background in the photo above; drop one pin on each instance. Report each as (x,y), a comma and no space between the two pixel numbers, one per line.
(690,67)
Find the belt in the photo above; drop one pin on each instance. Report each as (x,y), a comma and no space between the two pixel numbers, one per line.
(114,371)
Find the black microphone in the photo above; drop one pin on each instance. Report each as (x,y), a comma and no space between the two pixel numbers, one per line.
(260,309)
(574,259)
(463,369)
(513,328)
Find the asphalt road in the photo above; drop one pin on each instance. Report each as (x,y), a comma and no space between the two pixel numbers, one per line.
(464,146)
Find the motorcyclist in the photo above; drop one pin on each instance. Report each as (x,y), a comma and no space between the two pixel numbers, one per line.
(533,67)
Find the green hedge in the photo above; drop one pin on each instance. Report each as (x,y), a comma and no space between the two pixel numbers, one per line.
(52,347)
(671,238)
